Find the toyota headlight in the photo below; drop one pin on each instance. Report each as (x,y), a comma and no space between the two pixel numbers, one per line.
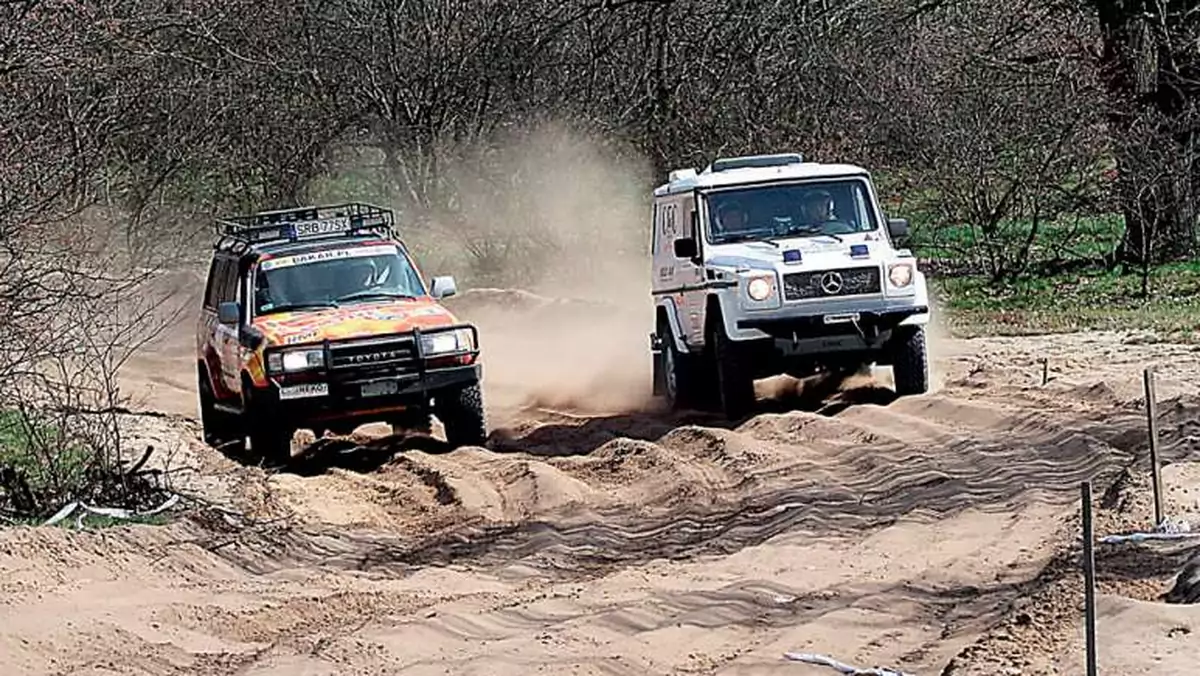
(446,342)
(296,360)
(900,274)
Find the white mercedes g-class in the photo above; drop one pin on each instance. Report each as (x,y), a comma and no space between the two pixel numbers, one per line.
(769,264)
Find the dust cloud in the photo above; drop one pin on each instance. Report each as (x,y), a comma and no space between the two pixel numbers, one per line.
(554,232)
(938,343)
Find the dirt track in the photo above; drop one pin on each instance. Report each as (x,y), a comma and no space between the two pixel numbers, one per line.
(916,534)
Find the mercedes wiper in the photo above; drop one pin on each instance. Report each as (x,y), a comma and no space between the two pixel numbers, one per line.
(813,231)
(746,237)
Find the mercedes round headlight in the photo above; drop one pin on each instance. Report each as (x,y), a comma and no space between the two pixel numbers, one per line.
(900,275)
(446,342)
(759,288)
(296,360)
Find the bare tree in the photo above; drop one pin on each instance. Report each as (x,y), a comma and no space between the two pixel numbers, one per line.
(1152,73)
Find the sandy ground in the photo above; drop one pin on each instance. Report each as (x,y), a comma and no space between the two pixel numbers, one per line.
(597,535)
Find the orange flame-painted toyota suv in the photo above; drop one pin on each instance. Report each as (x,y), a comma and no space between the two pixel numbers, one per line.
(318,318)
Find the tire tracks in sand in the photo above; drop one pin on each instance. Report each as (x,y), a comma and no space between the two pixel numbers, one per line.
(710,491)
(632,543)
(656,489)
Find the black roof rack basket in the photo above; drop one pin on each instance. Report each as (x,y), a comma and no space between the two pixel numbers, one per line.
(307,222)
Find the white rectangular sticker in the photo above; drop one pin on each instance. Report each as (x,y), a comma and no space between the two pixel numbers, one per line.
(304,390)
(322,226)
(841,319)
(318,256)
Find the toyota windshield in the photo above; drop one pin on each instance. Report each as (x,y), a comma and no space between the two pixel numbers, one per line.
(808,209)
(333,278)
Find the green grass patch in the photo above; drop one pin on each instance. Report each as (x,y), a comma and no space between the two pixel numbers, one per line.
(36,452)
(963,249)
(1093,300)
(95,521)
(1068,238)
(42,470)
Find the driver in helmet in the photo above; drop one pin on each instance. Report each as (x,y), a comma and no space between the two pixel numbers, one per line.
(358,275)
(817,207)
(731,218)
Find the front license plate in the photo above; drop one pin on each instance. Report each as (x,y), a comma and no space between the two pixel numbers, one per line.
(842,318)
(304,390)
(380,388)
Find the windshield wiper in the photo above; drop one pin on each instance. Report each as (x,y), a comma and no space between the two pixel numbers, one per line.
(288,307)
(812,231)
(361,295)
(767,240)
(746,237)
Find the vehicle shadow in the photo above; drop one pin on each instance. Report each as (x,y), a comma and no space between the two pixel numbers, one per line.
(582,435)
(822,394)
(559,437)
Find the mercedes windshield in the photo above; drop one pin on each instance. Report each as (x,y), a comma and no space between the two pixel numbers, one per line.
(334,277)
(801,209)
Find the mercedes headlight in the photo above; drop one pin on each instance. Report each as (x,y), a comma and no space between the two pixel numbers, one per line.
(759,288)
(296,360)
(446,342)
(900,274)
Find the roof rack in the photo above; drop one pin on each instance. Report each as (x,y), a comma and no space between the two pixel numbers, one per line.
(307,222)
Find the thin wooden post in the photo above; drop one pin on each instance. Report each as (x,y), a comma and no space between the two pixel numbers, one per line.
(1089,579)
(1152,425)
(1045,370)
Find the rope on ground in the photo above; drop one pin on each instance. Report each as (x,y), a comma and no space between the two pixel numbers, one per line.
(822,660)
(1167,530)
(112,512)
(1142,537)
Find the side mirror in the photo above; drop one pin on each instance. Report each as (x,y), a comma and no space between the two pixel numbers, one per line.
(898,227)
(229,313)
(685,248)
(443,287)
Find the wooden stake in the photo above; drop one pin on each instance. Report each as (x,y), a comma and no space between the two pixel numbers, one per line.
(1089,578)
(1152,425)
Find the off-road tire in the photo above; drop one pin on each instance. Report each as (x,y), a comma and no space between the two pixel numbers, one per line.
(691,389)
(220,430)
(270,442)
(910,361)
(735,376)
(462,415)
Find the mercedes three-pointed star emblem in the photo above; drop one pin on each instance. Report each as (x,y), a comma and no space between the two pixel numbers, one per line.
(831,283)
